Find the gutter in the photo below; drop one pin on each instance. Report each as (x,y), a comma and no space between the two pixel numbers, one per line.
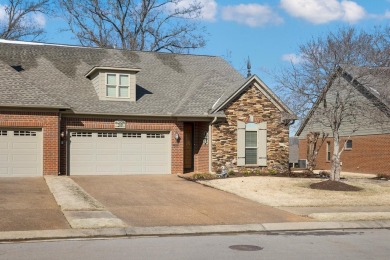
(210,142)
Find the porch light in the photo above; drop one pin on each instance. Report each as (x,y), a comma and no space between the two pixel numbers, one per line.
(206,138)
(177,137)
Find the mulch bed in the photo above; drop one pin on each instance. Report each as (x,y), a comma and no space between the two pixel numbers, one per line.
(334,186)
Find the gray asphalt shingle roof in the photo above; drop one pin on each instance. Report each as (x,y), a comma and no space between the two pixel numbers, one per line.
(168,84)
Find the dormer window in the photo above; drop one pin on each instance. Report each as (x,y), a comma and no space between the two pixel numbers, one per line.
(114,84)
(117,85)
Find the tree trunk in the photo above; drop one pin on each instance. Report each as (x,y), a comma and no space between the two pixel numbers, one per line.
(336,167)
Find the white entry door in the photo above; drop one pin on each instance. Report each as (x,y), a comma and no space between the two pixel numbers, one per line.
(119,153)
(20,153)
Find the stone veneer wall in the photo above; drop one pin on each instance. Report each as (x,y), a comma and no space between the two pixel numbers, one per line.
(224,145)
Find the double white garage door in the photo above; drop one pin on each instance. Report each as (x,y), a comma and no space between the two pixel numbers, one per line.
(119,153)
(20,152)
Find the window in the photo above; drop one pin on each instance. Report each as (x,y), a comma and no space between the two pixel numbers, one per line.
(328,151)
(131,135)
(348,145)
(3,133)
(107,135)
(25,133)
(117,85)
(81,134)
(251,147)
(155,136)
(251,144)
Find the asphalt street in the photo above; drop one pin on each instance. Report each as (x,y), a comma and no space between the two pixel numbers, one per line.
(337,244)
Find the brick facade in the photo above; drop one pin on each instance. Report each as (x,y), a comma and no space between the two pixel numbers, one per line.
(48,122)
(201,149)
(369,154)
(251,102)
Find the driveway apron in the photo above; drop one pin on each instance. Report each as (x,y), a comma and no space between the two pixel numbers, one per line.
(166,200)
(27,204)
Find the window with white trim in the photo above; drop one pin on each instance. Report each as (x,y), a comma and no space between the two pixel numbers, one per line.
(251,144)
(117,85)
(348,145)
(328,151)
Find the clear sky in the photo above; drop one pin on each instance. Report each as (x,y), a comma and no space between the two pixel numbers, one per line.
(268,31)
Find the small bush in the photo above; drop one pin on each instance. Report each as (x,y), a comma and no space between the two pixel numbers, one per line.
(383,176)
(272,171)
(202,176)
(231,173)
(324,174)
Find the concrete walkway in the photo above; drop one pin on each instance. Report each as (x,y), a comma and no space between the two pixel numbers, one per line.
(80,209)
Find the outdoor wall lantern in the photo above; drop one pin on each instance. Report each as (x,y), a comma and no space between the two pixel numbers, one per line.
(206,138)
(177,137)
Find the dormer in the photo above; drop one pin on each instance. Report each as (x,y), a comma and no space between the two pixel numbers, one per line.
(114,84)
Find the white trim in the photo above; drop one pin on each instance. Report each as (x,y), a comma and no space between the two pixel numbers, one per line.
(89,73)
(263,89)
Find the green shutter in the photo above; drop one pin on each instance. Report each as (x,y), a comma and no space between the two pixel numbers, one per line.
(262,144)
(240,143)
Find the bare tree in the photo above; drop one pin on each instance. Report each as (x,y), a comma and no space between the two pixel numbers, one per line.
(152,25)
(318,80)
(313,147)
(22,20)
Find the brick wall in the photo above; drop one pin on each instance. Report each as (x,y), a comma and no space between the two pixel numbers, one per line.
(48,122)
(201,150)
(251,102)
(369,154)
(69,123)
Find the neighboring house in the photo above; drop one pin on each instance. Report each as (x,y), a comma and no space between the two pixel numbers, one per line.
(365,135)
(293,151)
(92,111)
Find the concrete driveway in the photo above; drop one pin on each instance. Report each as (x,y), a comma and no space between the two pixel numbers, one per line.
(27,204)
(167,200)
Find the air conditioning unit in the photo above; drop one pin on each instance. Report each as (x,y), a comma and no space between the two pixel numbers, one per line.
(302,163)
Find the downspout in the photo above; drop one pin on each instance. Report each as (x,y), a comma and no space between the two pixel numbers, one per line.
(59,143)
(210,142)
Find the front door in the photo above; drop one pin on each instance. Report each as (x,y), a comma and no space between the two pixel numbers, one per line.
(188,147)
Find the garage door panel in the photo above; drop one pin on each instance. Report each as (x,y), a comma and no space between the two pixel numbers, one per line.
(24,158)
(83,158)
(82,145)
(106,157)
(20,144)
(131,159)
(107,168)
(120,153)
(21,152)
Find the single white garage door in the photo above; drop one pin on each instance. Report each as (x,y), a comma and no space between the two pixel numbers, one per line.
(20,153)
(115,153)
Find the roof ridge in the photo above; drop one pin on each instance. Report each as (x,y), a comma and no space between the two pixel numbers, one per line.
(33,43)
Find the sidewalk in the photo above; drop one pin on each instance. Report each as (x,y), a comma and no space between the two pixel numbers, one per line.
(187,230)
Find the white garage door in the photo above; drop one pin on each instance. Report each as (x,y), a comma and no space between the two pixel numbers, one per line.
(20,153)
(112,153)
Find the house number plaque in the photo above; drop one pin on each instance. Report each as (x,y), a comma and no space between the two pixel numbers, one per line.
(120,124)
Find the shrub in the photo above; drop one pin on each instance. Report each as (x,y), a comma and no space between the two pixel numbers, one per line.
(272,171)
(383,176)
(202,176)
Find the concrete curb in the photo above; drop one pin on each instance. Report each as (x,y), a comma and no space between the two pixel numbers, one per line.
(9,236)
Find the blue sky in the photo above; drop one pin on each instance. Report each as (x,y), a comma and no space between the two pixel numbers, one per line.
(267,31)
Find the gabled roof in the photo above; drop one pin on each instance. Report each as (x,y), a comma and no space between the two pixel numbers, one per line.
(167,84)
(15,91)
(373,83)
(232,94)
